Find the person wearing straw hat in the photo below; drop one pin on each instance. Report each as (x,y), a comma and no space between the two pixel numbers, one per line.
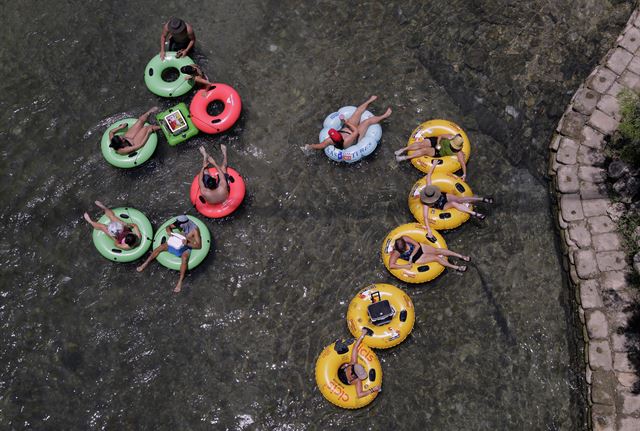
(432,197)
(354,373)
(178,36)
(436,146)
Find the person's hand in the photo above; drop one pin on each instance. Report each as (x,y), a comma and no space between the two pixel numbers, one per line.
(464,177)
(421,163)
(162,55)
(376,388)
(410,274)
(366,331)
(180,53)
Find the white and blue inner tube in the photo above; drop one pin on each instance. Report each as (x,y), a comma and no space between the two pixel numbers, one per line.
(366,144)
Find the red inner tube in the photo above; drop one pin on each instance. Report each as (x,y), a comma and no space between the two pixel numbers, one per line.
(219,123)
(237,191)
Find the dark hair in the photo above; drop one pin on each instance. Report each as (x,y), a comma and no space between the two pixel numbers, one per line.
(400,244)
(210,182)
(117,142)
(188,70)
(130,239)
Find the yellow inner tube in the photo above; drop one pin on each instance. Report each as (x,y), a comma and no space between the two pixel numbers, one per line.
(333,389)
(433,128)
(391,333)
(423,271)
(441,219)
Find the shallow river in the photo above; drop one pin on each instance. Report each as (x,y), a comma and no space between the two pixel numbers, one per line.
(90,344)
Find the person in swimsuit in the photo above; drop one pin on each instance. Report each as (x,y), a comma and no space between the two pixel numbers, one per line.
(191,240)
(440,146)
(214,190)
(194,73)
(125,235)
(432,197)
(178,36)
(136,135)
(352,129)
(354,373)
(409,250)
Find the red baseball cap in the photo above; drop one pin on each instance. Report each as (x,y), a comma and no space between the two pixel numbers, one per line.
(335,136)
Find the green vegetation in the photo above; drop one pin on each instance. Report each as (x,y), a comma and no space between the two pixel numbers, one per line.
(625,145)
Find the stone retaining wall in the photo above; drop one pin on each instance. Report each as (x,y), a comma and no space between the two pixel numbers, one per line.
(587,217)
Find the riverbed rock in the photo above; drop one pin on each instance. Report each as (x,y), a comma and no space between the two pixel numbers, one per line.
(617,169)
(616,210)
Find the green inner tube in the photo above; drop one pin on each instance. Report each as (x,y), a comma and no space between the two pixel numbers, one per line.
(197,256)
(106,247)
(172,139)
(134,158)
(157,85)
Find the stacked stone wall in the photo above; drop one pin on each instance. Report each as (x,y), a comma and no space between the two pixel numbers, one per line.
(587,218)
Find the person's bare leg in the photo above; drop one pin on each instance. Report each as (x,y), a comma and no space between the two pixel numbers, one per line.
(108,212)
(447,252)
(143,135)
(355,117)
(415,146)
(183,270)
(95,224)
(427,258)
(133,130)
(222,180)
(153,255)
(362,128)
(417,153)
(223,148)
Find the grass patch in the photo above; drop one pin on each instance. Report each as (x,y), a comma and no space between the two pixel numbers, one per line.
(625,145)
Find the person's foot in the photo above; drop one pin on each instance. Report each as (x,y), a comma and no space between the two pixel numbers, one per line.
(398,152)
(401,158)
(100,205)
(480,216)
(155,128)
(387,113)
(203,152)
(87,217)
(141,267)
(178,287)
(465,258)
(223,148)
(488,200)
(372,99)
(152,110)
(461,268)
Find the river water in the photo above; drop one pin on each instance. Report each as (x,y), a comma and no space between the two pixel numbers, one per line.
(88,344)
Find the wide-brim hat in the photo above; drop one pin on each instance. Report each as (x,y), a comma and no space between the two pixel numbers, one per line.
(429,194)
(457,142)
(176,25)
(182,218)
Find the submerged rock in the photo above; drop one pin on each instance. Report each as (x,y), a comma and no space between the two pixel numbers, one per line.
(617,169)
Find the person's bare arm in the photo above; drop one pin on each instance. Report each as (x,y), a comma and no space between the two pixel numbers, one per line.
(425,214)
(192,41)
(322,145)
(463,164)
(163,39)
(115,130)
(393,261)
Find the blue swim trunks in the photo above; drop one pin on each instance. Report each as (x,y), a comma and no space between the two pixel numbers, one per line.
(178,251)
